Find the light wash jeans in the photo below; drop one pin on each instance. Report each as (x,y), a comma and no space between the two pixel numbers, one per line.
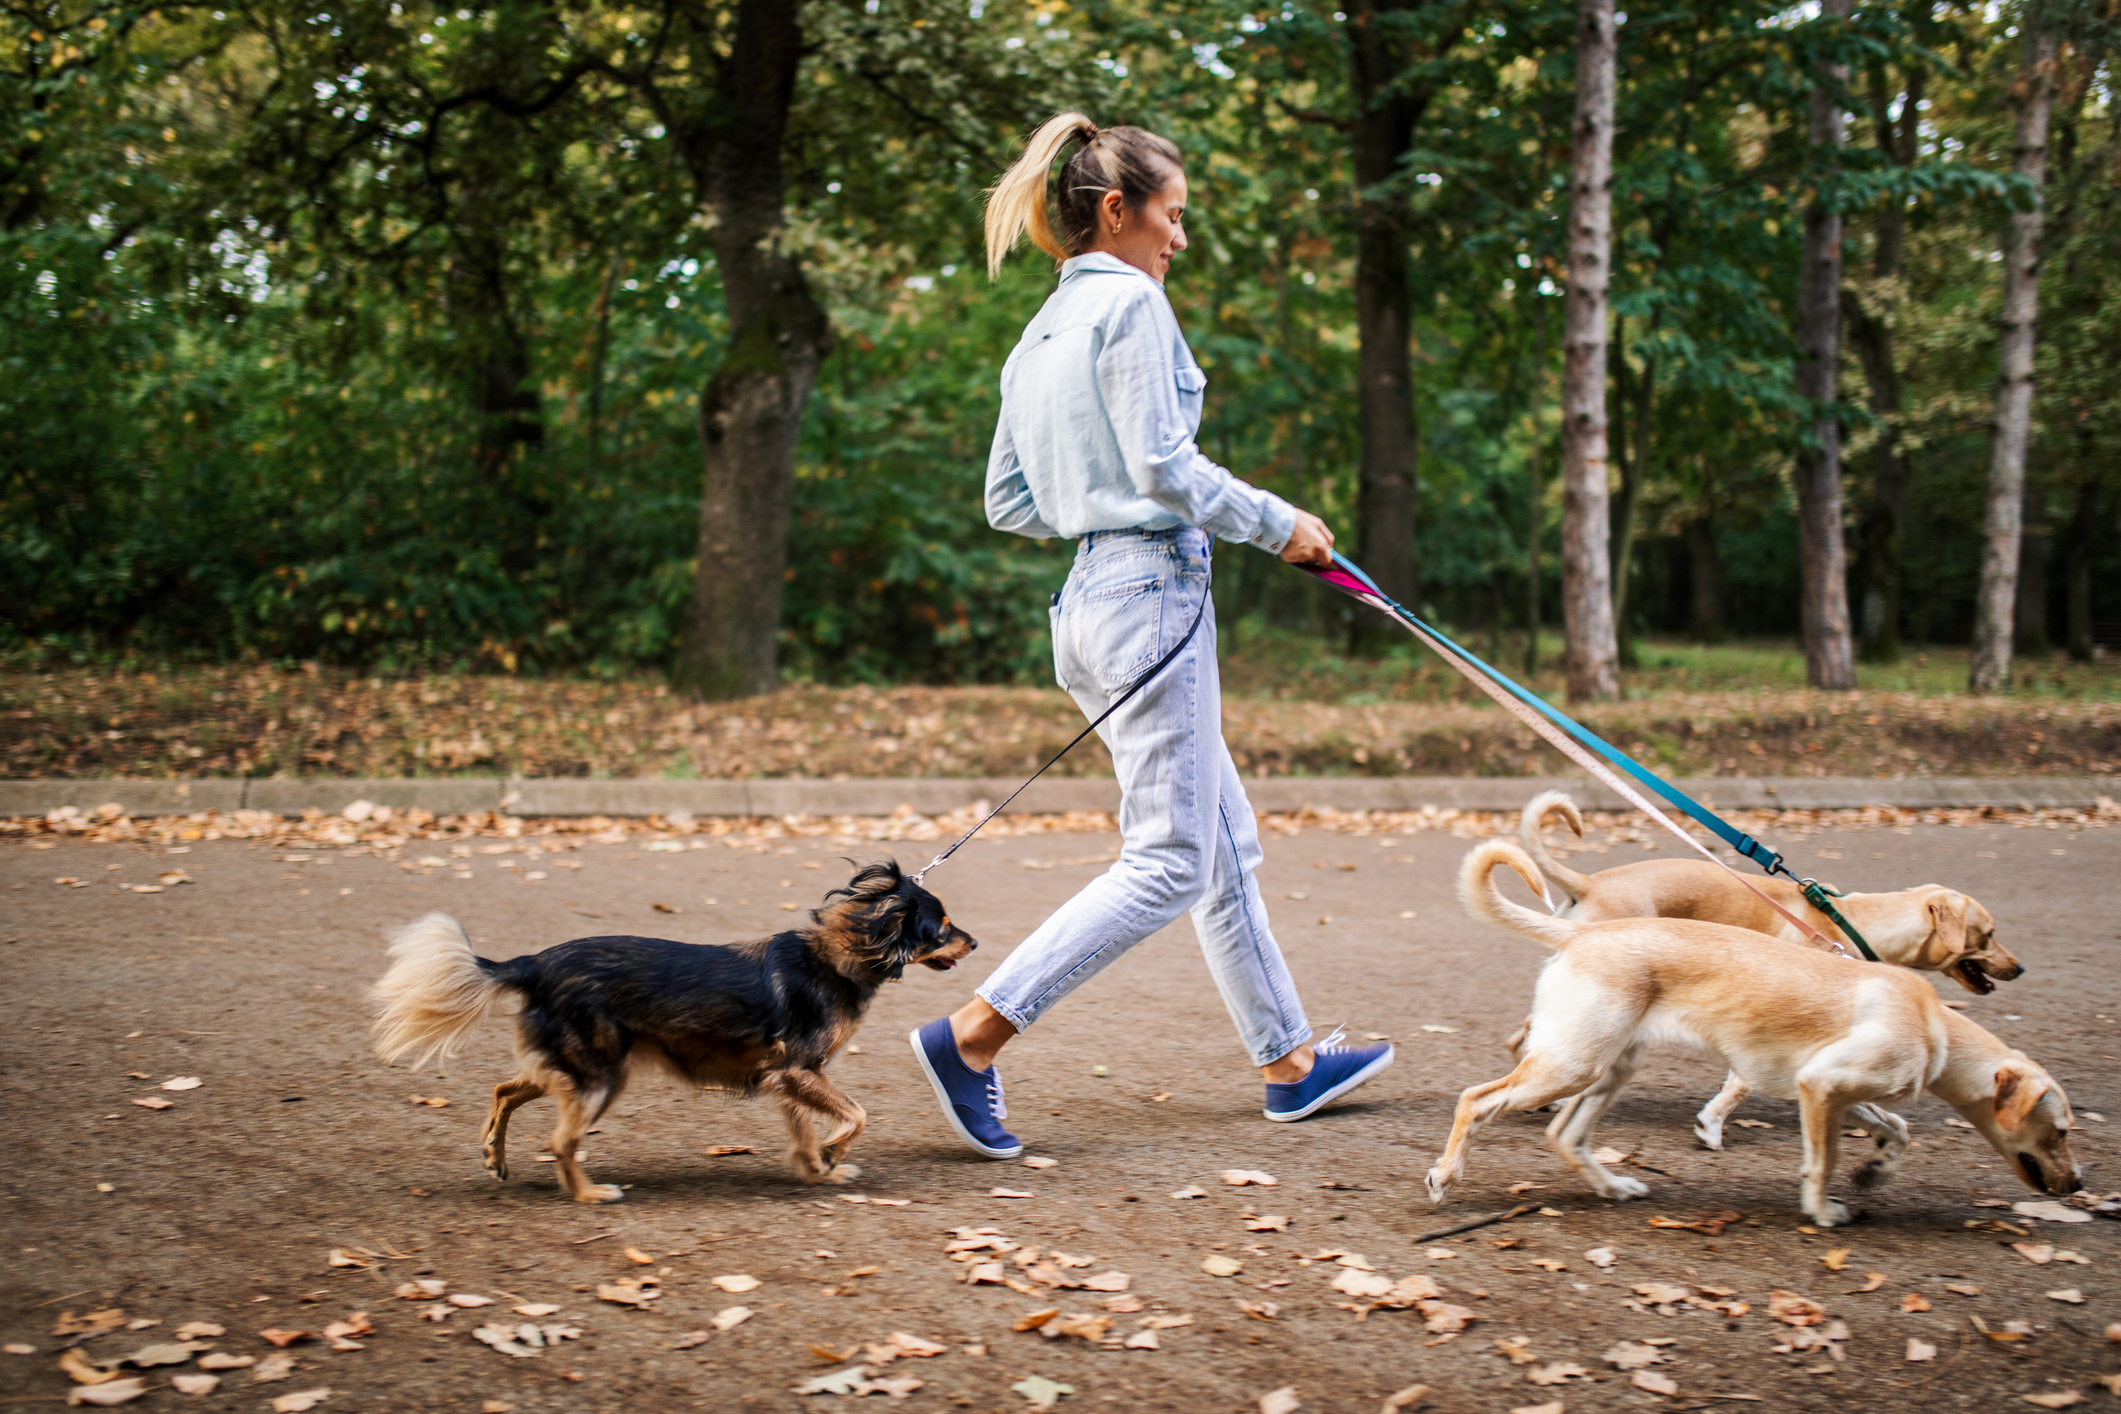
(1189,840)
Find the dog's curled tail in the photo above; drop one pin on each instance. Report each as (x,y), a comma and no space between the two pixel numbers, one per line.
(436,990)
(1477,891)
(1537,811)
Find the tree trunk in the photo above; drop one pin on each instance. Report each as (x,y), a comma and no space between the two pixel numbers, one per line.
(1586,590)
(1878,543)
(1381,50)
(752,407)
(1822,555)
(2029,627)
(1991,671)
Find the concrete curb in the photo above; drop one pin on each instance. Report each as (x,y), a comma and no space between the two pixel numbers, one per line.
(538,797)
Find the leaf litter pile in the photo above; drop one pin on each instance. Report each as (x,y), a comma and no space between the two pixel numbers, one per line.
(182,720)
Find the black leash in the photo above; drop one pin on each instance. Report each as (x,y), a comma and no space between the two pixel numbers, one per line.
(1136,686)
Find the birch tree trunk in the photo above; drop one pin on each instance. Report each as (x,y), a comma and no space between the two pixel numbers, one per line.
(1591,656)
(2034,91)
(1822,551)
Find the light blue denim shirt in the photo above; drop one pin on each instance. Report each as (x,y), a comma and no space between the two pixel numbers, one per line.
(1101,401)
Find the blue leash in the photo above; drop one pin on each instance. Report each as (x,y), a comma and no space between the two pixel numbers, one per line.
(1351,579)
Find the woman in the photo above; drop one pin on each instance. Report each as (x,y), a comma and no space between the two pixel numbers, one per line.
(1101,400)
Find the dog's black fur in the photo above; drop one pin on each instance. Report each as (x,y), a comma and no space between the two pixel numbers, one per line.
(758,1016)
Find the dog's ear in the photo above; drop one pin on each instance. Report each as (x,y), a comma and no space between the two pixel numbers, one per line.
(1947,911)
(2018,1089)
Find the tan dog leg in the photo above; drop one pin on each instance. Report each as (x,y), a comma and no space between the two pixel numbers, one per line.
(577,1113)
(1708,1125)
(1536,1081)
(805,1094)
(508,1097)
(1570,1133)
(1822,1109)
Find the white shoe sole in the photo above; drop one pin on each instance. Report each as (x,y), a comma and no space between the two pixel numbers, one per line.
(942,1096)
(1360,1076)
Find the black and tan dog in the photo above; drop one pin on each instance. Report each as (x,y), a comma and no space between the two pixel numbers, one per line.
(754,1017)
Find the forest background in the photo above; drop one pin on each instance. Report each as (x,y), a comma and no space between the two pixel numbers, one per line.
(376,335)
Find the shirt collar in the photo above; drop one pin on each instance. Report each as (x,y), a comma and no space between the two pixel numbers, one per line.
(1097,262)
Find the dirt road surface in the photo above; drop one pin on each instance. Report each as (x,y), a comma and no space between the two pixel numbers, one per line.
(223,1206)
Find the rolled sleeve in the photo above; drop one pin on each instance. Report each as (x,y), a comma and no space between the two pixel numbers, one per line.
(1010,504)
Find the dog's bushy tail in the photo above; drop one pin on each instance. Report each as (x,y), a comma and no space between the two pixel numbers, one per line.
(1477,891)
(436,990)
(1537,811)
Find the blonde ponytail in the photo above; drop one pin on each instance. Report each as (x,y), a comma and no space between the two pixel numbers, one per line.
(1135,163)
(1017,203)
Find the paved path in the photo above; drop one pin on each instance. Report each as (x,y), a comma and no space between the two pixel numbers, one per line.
(224,1206)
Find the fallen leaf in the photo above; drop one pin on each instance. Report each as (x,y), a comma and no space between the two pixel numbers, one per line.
(1659,1293)
(852,1380)
(283,1339)
(1039,1161)
(1107,1281)
(1238,1178)
(1919,1351)
(1913,1302)
(1269,1222)
(635,1254)
(424,1290)
(1217,1265)
(731,1318)
(1517,1349)
(1041,1392)
(1142,1340)
(468,1300)
(1191,1191)
(1123,1305)
(1441,1030)
(300,1400)
(2110,1383)
(2068,1295)
(1260,1310)
(1608,1155)
(717,1151)
(1061,1258)
(2060,1399)
(1753,1124)
(155,1102)
(692,1338)
(504,1340)
(626,1293)
(1794,1310)
(1515,1189)
(1442,1318)
(1871,1282)
(182,1082)
(1550,1264)
(1556,1373)
(2012,1330)
(115,1392)
(340,1257)
(199,1330)
(1633,1355)
(2048,1212)
(1962,1288)
(738,1284)
(221,1360)
(536,1308)
(1280,1401)
(986,1272)
(149,1356)
(1554,1407)
(1089,1328)
(1413,1395)
(1655,1381)
(18,1348)
(195,1384)
(2062,1255)
(272,1368)
(1837,1259)
(1361,1283)
(1008,1193)
(1165,1323)
(1600,1257)
(2038,1253)
(82,1371)
(1032,1320)
(496,1406)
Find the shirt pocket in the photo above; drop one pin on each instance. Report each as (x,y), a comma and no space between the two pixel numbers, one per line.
(1192,383)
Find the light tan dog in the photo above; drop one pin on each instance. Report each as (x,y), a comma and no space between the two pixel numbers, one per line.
(1928,928)
(1793,1021)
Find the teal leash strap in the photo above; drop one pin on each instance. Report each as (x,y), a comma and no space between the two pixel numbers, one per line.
(1821,897)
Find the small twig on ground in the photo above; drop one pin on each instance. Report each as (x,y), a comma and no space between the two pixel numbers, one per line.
(1489,1221)
(598,1238)
(57,1299)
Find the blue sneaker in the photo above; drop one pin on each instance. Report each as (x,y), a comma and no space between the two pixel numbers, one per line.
(971,1099)
(1336,1070)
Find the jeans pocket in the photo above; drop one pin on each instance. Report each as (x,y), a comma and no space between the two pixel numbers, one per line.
(1120,627)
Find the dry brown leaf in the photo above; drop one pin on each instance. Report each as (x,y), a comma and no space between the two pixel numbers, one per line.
(694,1338)
(626,1293)
(1836,1260)
(2110,1383)
(1032,1320)
(195,1384)
(182,1082)
(423,1290)
(636,1255)
(1962,1288)
(300,1400)
(1124,1305)
(1107,1281)
(1655,1381)
(1608,1155)
(1353,1282)
(1550,1264)
(1039,1161)
(83,1371)
(1551,1407)
(1659,1293)
(2069,1296)
(2038,1253)
(1600,1257)
(1260,1310)
(2059,1399)
(469,1301)
(1517,1349)
(1411,1396)
(221,1360)
(1142,1340)
(737,1284)
(730,1318)
(536,1308)
(1442,1318)
(283,1339)
(114,1392)
(148,1356)
(1919,1351)
(155,1102)
(1794,1310)
(199,1330)
(1238,1178)
(1913,1302)
(1165,1323)
(1633,1355)
(272,1369)
(1215,1264)
(1280,1401)
(93,1323)
(1871,1282)
(1009,1193)
(1268,1222)
(1556,1373)
(716,1151)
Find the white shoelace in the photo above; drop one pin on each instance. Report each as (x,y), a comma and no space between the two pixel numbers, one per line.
(994,1096)
(1332,1042)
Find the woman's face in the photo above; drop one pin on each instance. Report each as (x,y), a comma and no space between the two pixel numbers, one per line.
(1147,238)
